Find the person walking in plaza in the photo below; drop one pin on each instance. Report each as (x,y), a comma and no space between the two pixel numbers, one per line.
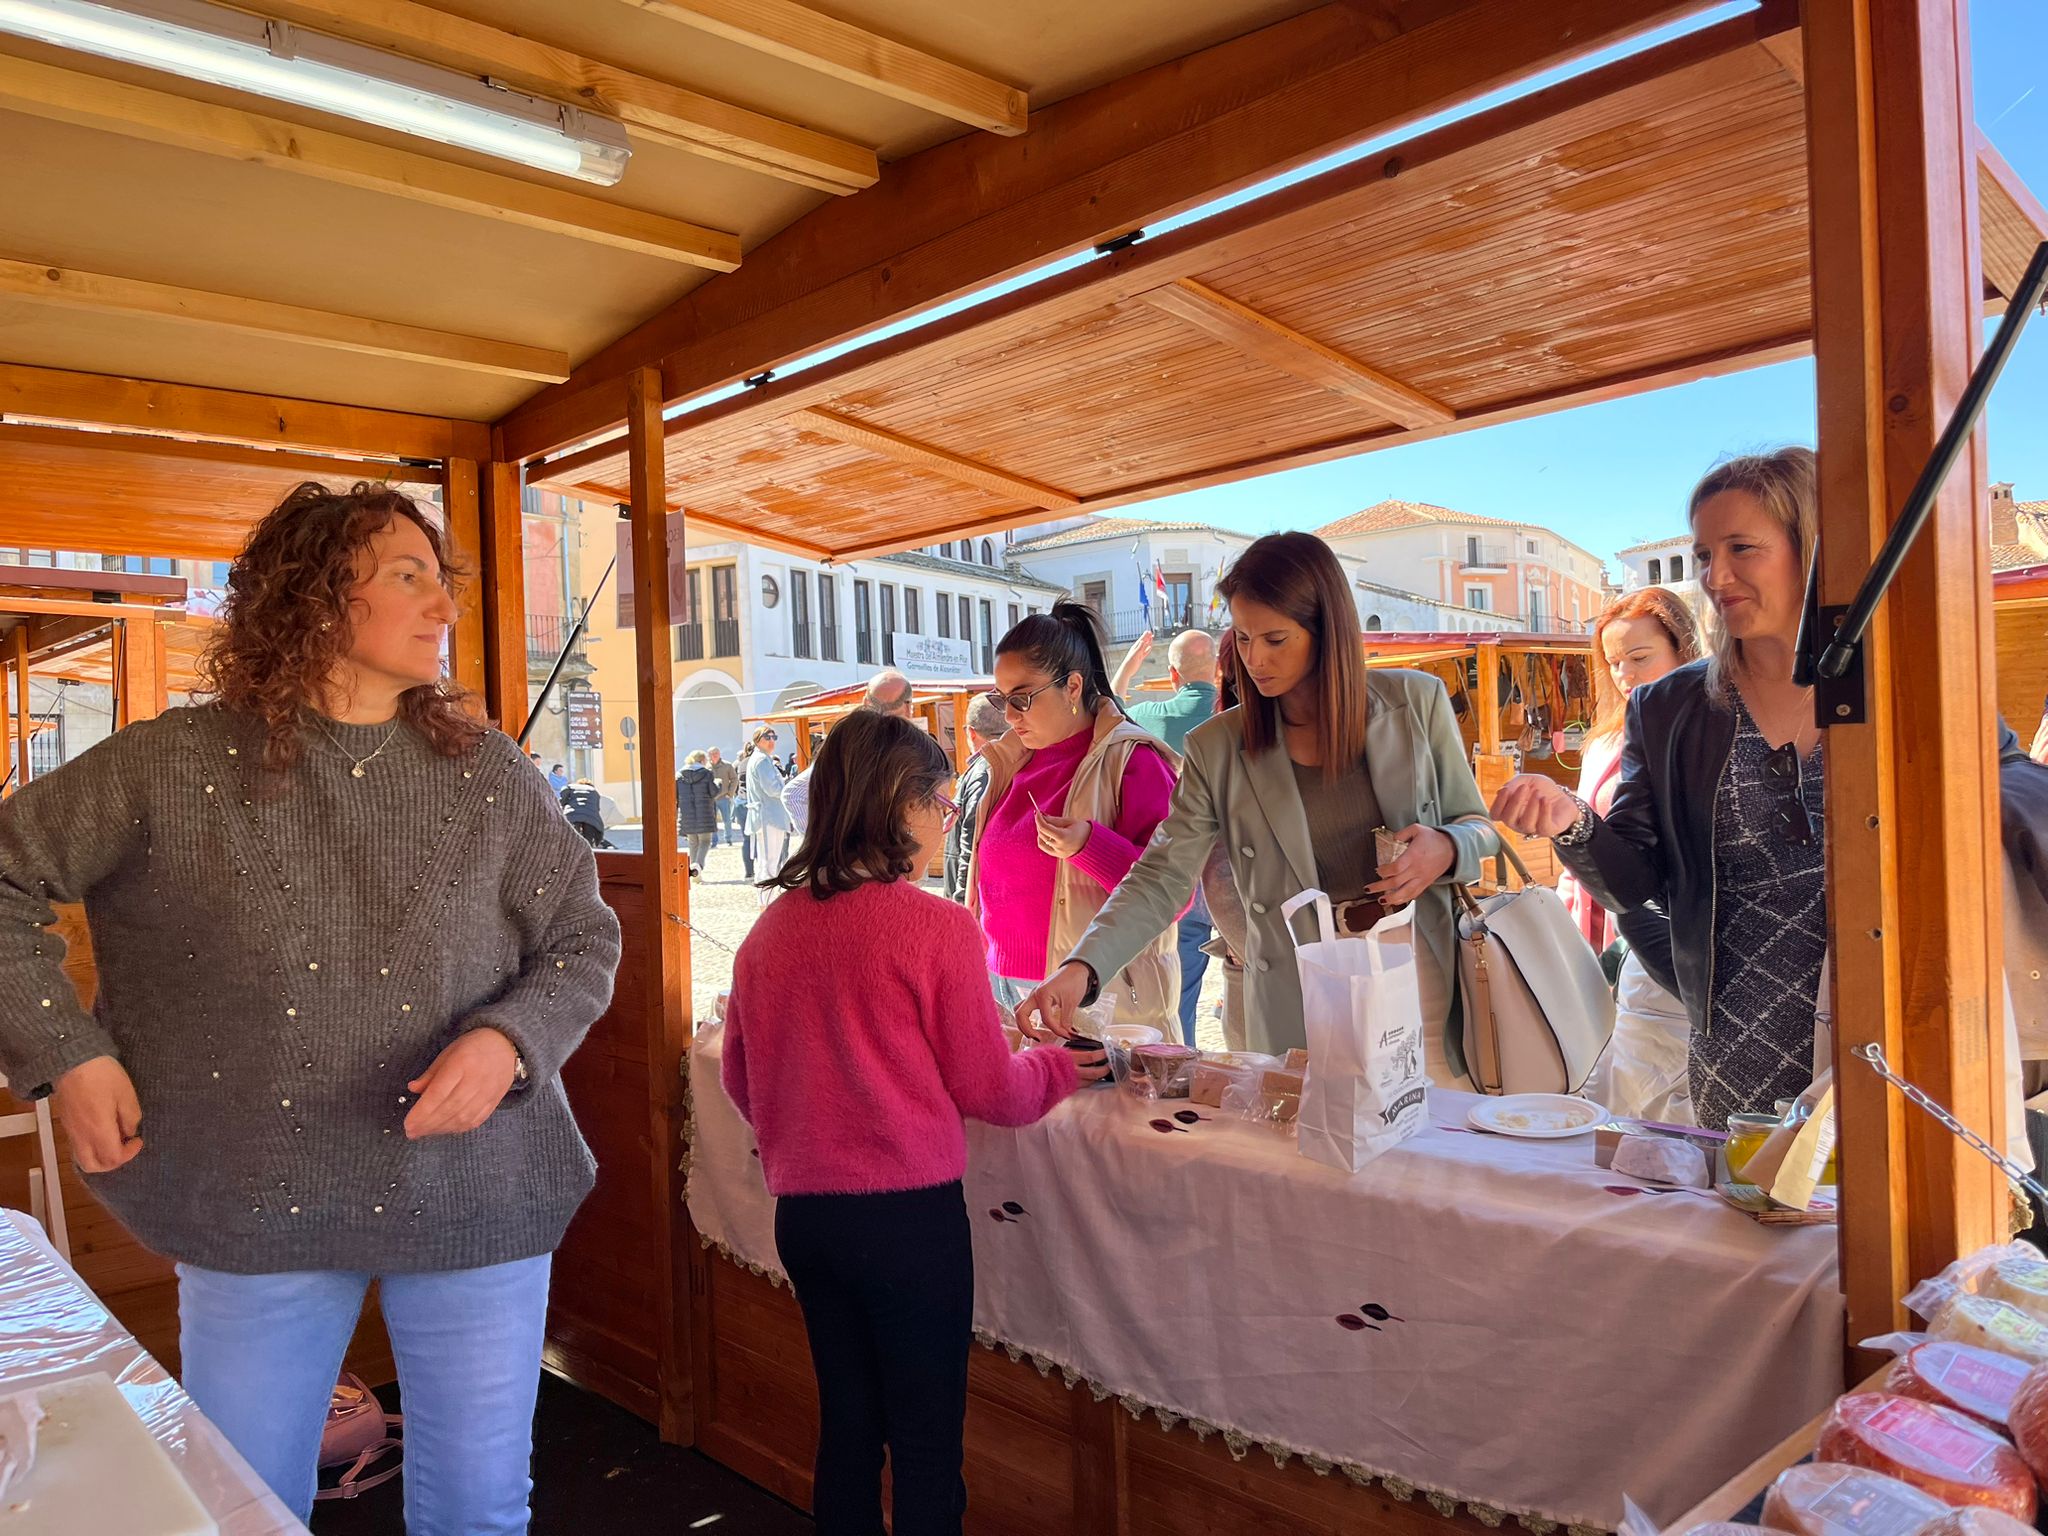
(584,806)
(697,809)
(1191,668)
(1075,793)
(860,1033)
(345,941)
(558,778)
(740,799)
(1642,1074)
(1297,780)
(728,792)
(767,818)
(985,723)
(1717,815)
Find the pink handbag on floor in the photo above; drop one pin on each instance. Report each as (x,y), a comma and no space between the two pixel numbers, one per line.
(358,1431)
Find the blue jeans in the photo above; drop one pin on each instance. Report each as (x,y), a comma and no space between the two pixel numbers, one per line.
(1194,932)
(728,813)
(261,1353)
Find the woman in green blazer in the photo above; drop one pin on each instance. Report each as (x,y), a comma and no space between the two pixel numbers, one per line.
(1295,781)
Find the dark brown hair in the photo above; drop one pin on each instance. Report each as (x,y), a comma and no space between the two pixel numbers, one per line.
(1061,643)
(871,770)
(1229,690)
(286,625)
(1610,704)
(1296,574)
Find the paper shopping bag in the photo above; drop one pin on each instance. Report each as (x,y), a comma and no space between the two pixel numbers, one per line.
(1361,999)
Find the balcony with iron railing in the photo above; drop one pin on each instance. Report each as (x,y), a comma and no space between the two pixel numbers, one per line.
(1479,555)
(1126,624)
(546,634)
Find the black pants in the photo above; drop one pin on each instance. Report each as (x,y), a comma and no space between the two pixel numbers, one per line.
(886,1283)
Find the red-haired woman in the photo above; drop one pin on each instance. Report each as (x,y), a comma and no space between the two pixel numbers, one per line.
(345,941)
(1638,639)
(1295,781)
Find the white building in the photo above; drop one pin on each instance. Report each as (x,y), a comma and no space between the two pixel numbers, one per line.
(1525,575)
(1661,563)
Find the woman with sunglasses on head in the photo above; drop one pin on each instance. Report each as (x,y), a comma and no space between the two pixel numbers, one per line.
(859,1033)
(1717,816)
(768,823)
(1297,781)
(1636,640)
(1075,791)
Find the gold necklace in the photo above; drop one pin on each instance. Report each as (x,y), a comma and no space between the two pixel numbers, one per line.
(357,764)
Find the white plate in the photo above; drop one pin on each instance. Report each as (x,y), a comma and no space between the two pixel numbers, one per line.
(1500,1116)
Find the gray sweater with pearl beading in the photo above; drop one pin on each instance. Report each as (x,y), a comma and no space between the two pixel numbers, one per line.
(278,957)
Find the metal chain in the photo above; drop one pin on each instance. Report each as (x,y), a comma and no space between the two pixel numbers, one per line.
(698,933)
(1873,1053)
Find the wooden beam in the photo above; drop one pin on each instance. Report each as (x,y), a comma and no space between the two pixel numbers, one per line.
(2014,220)
(712,527)
(501,575)
(465,535)
(102,294)
(79,608)
(1265,339)
(312,465)
(141,684)
(907,450)
(979,209)
(158,117)
(1913,903)
(800,35)
(24,714)
(665,975)
(99,399)
(656,111)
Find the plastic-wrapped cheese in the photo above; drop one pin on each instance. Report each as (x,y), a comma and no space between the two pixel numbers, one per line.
(1661,1160)
(1978,1382)
(1989,1323)
(1820,1499)
(1730,1528)
(1945,1454)
(2021,1281)
(1978,1522)
(2027,1421)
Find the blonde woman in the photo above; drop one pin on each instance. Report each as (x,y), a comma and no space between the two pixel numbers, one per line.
(1717,817)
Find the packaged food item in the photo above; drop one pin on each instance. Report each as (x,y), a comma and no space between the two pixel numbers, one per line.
(1734,1528)
(1272,1097)
(1160,1071)
(1977,1382)
(2015,1273)
(1832,1499)
(2027,1421)
(1661,1160)
(1956,1459)
(1978,1521)
(1218,1071)
(1992,1324)
(1296,1060)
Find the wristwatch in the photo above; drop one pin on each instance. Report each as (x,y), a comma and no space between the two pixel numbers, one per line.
(1580,830)
(519,1074)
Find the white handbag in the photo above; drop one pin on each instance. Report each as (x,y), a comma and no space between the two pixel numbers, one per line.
(1538,1011)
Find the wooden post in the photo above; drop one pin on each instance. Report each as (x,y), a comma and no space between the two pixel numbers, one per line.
(1489,699)
(8,782)
(666,971)
(24,717)
(1913,904)
(502,577)
(963,749)
(465,534)
(141,689)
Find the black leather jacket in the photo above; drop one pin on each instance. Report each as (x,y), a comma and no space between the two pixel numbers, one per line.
(1655,846)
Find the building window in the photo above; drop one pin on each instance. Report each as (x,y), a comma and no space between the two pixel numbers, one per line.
(988,634)
(1656,572)
(828,616)
(1032,610)
(1095,594)
(863,624)
(725,610)
(1532,546)
(1678,567)
(888,625)
(690,622)
(966,620)
(1015,614)
(913,611)
(988,552)
(1472,549)
(1538,609)
(1480,598)
(942,610)
(1372,621)
(800,613)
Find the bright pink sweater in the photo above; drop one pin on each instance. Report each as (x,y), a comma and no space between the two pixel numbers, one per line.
(861,1029)
(1016,878)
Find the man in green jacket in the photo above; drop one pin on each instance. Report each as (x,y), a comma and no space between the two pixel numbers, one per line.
(1191,665)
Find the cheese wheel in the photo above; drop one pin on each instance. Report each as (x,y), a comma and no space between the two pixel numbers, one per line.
(1821,1499)
(2027,1421)
(2022,1282)
(1989,1323)
(1946,1454)
(1977,1382)
(1978,1521)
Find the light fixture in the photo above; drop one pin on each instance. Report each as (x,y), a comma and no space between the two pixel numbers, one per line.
(203,41)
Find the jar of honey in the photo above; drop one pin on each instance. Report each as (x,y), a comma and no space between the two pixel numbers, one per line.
(1746,1136)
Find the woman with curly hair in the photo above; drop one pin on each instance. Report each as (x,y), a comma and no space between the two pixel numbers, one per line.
(345,941)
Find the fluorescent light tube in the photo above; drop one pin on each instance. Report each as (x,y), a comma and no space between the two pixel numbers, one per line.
(203,41)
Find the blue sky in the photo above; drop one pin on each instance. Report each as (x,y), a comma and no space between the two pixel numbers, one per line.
(1608,476)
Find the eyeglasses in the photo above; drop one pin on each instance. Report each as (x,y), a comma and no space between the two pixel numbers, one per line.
(1783,770)
(1020,702)
(951,807)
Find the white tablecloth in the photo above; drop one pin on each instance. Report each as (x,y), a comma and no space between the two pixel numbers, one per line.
(1548,1344)
(52,1329)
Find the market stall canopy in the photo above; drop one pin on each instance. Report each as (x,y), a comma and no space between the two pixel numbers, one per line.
(1638,226)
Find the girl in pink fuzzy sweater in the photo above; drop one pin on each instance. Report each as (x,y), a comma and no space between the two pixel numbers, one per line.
(861,1029)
